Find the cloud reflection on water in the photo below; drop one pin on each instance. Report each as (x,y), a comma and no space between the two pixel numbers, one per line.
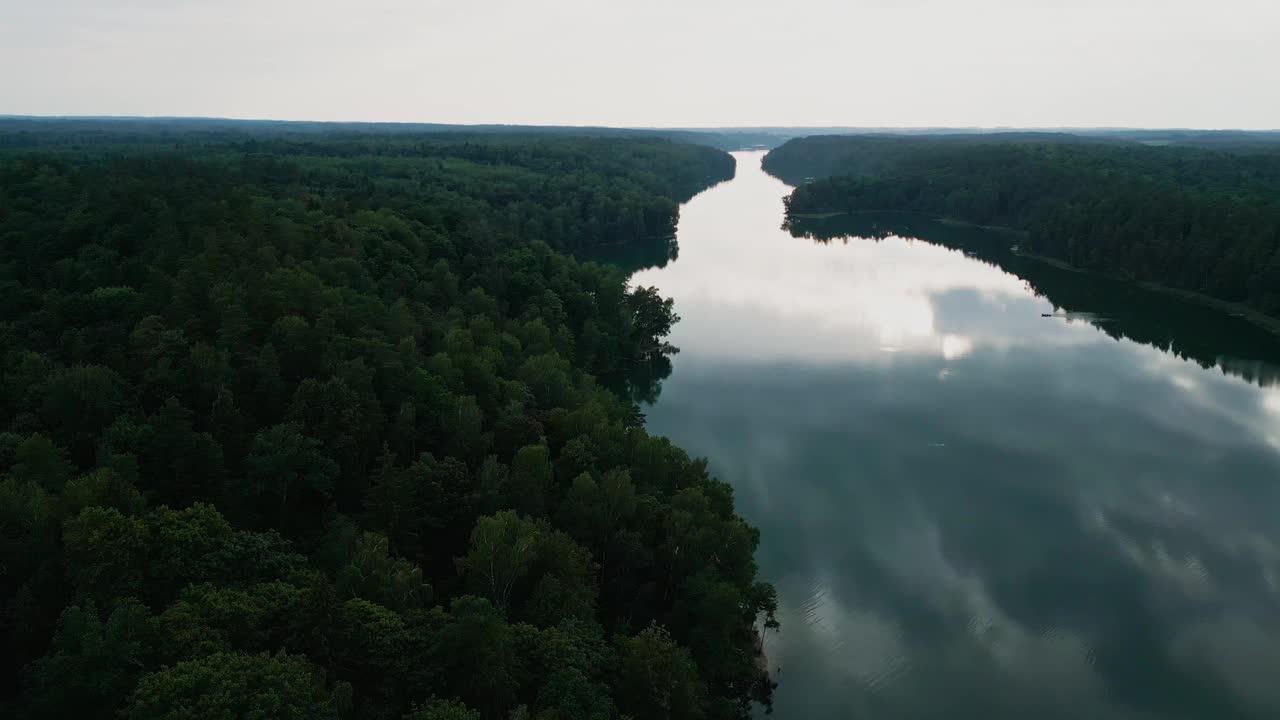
(1010,516)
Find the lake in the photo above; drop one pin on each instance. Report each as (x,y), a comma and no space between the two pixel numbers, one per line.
(971,510)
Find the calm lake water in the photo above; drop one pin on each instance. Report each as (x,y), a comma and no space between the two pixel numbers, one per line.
(970,510)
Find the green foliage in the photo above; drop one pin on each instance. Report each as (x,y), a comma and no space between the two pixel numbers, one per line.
(209,618)
(530,483)
(657,678)
(152,557)
(266,400)
(103,487)
(443,710)
(38,460)
(479,653)
(502,551)
(92,665)
(226,685)
(284,462)
(1193,219)
(376,575)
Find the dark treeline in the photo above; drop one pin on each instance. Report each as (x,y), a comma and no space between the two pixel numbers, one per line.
(1123,310)
(305,427)
(1187,218)
(1243,141)
(46,131)
(33,131)
(805,159)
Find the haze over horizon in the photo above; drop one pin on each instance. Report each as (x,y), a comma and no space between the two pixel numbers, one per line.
(809,63)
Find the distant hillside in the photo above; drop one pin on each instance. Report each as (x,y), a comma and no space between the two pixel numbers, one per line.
(1207,221)
(820,156)
(27,131)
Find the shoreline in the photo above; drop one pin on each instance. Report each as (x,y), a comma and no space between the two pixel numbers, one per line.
(1257,318)
(818,216)
(954,222)
(1234,309)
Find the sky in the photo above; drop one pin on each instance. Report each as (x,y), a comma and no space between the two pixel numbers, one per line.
(656,63)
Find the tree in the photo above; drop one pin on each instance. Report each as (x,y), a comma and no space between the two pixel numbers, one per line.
(363,343)
(447,490)
(657,678)
(232,685)
(435,709)
(227,426)
(80,401)
(92,665)
(375,575)
(530,485)
(289,467)
(371,650)
(1183,217)
(104,553)
(332,413)
(564,580)
(503,547)
(39,461)
(180,465)
(652,319)
(593,511)
(570,666)
(392,504)
(103,487)
(153,556)
(211,618)
(476,647)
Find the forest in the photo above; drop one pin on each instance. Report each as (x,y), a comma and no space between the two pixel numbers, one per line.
(28,131)
(1191,218)
(309,426)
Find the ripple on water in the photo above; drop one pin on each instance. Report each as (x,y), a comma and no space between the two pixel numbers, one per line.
(867,649)
(890,670)
(822,616)
(1146,463)
(1069,642)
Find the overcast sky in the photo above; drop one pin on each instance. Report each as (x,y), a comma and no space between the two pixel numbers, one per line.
(1043,63)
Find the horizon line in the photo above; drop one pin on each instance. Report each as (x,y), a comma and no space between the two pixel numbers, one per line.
(691,128)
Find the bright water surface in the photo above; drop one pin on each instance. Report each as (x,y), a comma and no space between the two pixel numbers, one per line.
(970,510)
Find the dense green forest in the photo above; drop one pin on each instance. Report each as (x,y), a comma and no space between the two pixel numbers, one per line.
(308,427)
(28,131)
(1189,218)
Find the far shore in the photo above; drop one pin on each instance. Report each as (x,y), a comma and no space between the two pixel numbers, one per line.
(1240,310)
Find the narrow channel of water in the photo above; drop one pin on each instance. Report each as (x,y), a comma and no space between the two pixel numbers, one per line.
(969,509)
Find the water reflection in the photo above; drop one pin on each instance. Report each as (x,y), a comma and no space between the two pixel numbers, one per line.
(1208,336)
(633,257)
(745,296)
(970,510)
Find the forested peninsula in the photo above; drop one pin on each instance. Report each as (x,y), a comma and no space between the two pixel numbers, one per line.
(1189,218)
(309,427)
